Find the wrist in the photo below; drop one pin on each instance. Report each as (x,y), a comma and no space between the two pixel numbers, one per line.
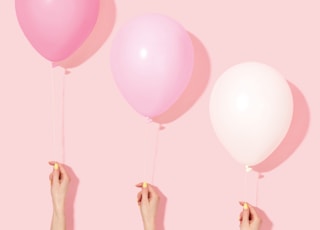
(149,226)
(58,221)
(58,210)
(58,205)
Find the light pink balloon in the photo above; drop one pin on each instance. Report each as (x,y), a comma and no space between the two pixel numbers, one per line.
(152,62)
(251,109)
(57,28)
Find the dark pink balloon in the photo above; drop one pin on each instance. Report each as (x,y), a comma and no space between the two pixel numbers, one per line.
(57,28)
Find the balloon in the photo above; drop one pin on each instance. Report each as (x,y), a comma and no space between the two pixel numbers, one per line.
(57,28)
(152,62)
(251,108)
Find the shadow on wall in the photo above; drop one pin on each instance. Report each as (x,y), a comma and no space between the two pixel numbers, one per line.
(197,85)
(161,210)
(100,33)
(296,133)
(266,222)
(71,195)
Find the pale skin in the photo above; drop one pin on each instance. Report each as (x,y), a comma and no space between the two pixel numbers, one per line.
(147,198)
(59,181)
(148,201)
(249,219)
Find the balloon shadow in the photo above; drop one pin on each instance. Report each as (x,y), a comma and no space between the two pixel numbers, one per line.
(198,82)
(71,195)
(296,133)
(161,209)
(100,33)
(266,222)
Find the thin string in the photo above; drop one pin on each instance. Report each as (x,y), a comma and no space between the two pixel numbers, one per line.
(247,170)
(56,155)
(245,197)
(63,119)
(151,159)
(147,158)
(260,176)
(53,113)
(155,154)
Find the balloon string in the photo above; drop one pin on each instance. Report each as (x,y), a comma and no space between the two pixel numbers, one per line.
(155,154)
(54,118)
(247,170)
(151,159)
(53,111)
(63,118)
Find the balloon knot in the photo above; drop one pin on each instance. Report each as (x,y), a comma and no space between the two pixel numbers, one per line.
(149,120)
(54,64)
(248,168)
(66,71)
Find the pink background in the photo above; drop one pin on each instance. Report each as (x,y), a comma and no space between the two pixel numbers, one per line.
(108,145)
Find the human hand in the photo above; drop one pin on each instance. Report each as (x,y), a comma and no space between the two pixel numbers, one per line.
(59,186)
(249,219)
(148,200)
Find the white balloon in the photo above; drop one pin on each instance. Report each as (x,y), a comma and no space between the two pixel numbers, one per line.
(251,109)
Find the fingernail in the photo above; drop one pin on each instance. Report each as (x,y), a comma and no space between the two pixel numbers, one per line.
(144,185)
(245,206)
(56,166)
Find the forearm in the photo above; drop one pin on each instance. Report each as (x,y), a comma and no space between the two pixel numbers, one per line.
(58,220)
(149,226)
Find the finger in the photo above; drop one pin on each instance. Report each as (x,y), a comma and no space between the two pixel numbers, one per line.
(240,216)
(151,189)
(64,177)
(56,175)
(241,203)
(145,192)
(153,195)
(253,212)
(52,163)
(50,177)
(245,213)
(139,197)
(139,185)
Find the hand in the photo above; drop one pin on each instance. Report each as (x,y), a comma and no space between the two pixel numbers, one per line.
(59,186)
(148,200)
(249,219)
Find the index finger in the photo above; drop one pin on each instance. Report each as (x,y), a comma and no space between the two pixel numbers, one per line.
(52,163)
(64,174)
(139,185)
(252,210)
(152,190)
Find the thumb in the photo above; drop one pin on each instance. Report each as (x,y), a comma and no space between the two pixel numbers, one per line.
(145,193)
(245,214)
(55,174)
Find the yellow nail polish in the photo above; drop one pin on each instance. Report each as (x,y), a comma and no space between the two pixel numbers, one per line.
(56,166)
(245,206)
(144,185)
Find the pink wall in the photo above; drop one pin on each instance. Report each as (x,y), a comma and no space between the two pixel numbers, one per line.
(107,144)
